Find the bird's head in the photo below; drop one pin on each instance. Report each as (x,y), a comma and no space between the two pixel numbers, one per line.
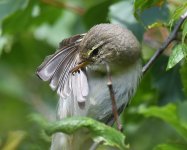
(107,43)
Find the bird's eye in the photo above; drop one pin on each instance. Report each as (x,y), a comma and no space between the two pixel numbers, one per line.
(95,49)
(95,52)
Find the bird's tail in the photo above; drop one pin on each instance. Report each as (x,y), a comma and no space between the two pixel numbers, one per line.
(74,103)
(61,141)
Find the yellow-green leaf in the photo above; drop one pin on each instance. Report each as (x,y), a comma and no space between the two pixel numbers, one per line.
(184,31)
(178,53)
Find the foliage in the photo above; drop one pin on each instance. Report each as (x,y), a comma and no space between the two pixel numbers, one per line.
(99,131)
(170,147)
(178,53)
(32,29)
(169,114)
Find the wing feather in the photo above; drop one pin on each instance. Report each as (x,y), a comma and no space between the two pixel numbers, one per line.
(56,69)
(69,41)
(46,70)
(61,69)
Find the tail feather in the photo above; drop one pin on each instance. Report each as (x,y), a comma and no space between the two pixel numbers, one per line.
(60,141)
(75,104)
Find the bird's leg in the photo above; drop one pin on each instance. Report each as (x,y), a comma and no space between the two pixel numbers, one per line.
(112,96)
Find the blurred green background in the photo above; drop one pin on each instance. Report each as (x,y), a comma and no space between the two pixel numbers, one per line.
(31,29)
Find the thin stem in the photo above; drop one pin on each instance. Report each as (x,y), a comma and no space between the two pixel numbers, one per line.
(175,2)
(171,38)
(112,96)
(59,4)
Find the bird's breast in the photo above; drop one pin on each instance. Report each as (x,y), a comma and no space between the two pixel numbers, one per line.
(124,83)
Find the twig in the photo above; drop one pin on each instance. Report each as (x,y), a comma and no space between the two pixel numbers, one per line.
(171,38)
(59,4)
(112,96)
(175,2)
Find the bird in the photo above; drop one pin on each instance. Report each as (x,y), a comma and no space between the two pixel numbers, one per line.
(77,72)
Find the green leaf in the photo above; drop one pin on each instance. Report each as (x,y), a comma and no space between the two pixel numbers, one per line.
(184,31)
(167,83)
(33,15)
(155,24)
(171,147)
(122,13)
(178,53)
(99,131)
(141,5)
(168,114)
(7,7)
(14,140)
(97,14)
(183,73)
(177,13)
(91,3)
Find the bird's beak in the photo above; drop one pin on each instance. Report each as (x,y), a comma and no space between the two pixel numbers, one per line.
(79,66)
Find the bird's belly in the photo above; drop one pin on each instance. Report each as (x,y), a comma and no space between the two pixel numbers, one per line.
(124,85)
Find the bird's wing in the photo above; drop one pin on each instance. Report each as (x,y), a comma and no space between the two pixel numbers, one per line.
(56,69)
(72,40)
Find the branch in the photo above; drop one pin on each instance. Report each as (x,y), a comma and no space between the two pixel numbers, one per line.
(112,96)
(171,38)
(58,4)
(175,2)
